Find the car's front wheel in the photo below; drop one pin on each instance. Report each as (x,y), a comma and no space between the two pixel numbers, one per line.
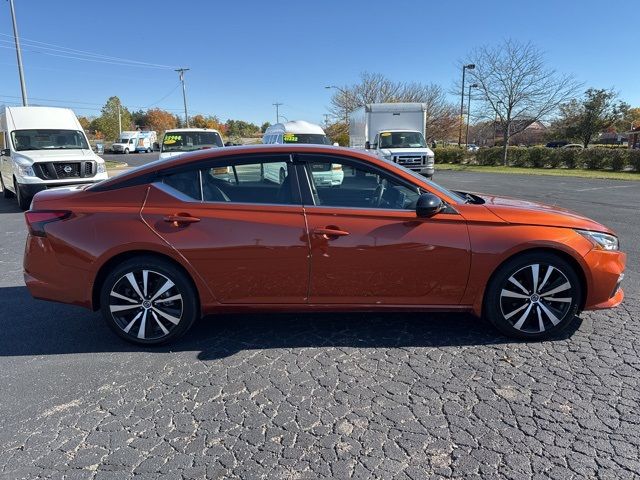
(533,296)
(24,200)
(6,193)
(148,301)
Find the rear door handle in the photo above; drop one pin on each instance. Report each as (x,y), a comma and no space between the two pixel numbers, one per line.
(330,232)
(178,219)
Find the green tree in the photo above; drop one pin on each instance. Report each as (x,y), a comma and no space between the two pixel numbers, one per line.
(597,111)
(264,126)
(240,128)
(107,123)
(139,118)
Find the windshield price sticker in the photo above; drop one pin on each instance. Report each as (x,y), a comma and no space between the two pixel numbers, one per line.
(290,137)
(171,139)
(385,134)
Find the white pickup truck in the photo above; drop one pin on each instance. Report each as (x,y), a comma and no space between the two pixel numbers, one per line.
(44,147)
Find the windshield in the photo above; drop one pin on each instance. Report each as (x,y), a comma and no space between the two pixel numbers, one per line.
(190,141)
(48,139)
(314,138)
(402,140)
(455,195)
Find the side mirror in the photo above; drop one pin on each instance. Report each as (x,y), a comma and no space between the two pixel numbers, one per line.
(5,152)
(428,205)
(367,145)
(336,144)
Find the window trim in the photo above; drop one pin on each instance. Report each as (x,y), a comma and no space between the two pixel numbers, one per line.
(224,161)
(301,160)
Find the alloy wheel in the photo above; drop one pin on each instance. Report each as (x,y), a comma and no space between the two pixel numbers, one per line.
(146,304)
(536,298)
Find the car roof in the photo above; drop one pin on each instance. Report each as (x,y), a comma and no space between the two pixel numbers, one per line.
(174,130)
(212,153)
(295,126)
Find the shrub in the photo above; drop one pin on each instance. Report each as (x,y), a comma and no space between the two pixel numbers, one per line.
(538,157)
(633,159)
(489,156)
(449,155)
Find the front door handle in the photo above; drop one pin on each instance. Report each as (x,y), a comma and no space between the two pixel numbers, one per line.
(176,220)
(330,232)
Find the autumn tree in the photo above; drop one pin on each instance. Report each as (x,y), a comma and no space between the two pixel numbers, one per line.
(85,123)
(240,128)
(515,86)
(160,120)
(107,122)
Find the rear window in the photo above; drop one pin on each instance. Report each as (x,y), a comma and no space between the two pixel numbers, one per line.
(309,138)
(190,141)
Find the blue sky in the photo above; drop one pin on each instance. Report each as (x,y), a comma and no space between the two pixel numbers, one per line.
(245,55)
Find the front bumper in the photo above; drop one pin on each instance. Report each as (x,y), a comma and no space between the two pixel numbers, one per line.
(605,272)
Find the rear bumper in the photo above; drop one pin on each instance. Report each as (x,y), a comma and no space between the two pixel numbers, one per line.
(47,279)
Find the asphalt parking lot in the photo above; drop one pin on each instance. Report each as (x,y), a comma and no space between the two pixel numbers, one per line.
(318,396)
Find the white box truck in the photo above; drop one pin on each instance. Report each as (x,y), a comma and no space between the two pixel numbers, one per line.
(44,147)
(146,141)
(395,132)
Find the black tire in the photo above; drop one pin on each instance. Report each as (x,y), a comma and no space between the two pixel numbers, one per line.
(24,201)
(149,150)
(126,151)
(521,299)
(159,316)
(6,193)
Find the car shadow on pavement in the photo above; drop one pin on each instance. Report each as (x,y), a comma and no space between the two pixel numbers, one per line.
(8,205)
(33,327)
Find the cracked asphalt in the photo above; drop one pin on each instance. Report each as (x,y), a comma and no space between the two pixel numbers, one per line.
(327,396)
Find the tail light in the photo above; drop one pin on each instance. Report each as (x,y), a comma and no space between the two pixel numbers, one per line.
(37,219)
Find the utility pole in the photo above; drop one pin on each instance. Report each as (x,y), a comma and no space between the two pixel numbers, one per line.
(184,93)
(326,119)
(119,120)
(18,54)
(471,66)
(277,105)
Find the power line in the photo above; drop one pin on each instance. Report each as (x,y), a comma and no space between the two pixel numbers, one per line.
(84,53)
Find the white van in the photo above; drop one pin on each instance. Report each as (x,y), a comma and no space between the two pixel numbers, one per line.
(44,147)
(181,140)
(299,131)
(146,141)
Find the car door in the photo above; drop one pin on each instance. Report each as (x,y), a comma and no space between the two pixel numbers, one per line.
(243,234)
(369,247)
(5,160)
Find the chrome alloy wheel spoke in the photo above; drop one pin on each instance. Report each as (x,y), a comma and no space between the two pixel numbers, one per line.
(536,297)
(146,304)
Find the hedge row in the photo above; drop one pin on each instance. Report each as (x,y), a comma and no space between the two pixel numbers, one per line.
(542,157)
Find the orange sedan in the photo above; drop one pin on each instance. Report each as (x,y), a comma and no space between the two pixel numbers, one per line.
(162,245)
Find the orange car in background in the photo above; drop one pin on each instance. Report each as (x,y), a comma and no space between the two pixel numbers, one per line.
(164,244)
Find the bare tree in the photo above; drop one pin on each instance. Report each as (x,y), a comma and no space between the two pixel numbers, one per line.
(376,88)
(515,87)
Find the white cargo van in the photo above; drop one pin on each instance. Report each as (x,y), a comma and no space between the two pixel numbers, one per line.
(395,132)
(44,147)
(299,131)
(183,140)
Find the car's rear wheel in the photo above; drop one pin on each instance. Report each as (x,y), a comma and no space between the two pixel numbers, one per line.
(148,301)
(533,296)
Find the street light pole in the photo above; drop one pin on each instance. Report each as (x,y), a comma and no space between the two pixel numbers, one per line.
(466,138)
(277,105)
(184,93)
(470,66)
(23,87)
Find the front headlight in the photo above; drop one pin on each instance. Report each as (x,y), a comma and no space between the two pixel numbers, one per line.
(25,170)
(600,240)
(102,168)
